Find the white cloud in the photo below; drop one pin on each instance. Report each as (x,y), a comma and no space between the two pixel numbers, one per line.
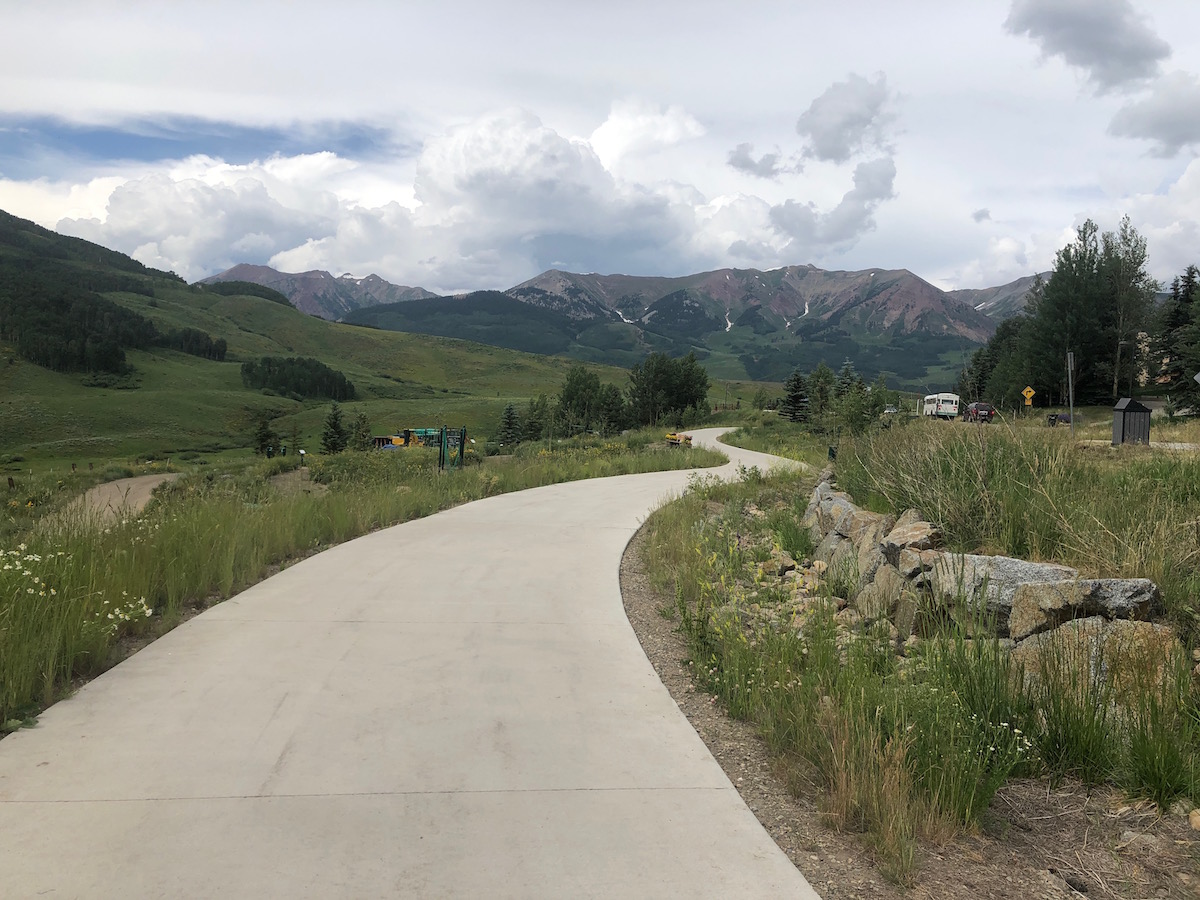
(194,228)
(1169,115)
(742,158)
(1105,38)
(814,233)
(636,128)
(847,118)
(1168,222)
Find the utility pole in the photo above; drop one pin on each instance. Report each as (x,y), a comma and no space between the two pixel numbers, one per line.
(1071,388)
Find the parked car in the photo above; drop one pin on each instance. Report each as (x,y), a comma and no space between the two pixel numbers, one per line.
(890,410)
(979,411)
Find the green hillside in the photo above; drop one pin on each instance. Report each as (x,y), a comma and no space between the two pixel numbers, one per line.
(164,402)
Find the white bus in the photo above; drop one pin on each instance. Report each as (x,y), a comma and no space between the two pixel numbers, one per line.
(943,406)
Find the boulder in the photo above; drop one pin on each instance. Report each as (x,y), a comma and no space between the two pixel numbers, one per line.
(986,584)
(831,507)
(828,547)
(909,517)
(1084,652)
(879,598)
(905,619)
(913,562)
(869,556)
(914,536)
(778,565)
(854,523)
(1041,606)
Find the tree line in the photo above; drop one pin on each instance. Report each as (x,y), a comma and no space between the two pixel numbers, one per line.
(826,401)
(661,390)
(58,324)
(1099,304)
(297,376)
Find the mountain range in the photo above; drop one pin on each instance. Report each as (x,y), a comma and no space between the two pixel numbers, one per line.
(320,293)
(743,323)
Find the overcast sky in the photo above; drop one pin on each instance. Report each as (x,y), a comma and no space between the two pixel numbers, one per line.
(463,145)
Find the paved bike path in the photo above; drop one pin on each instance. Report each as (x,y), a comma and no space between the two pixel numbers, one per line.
(452,707)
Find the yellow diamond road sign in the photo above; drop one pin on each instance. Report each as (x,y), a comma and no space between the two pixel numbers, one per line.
(1028,393)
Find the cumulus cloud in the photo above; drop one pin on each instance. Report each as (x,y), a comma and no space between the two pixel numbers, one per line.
(981,215)
(194,228)
(635,128)
(1168,222)
(847,118)
(809,230)
(1108,39)
(485,204)
(1168,115)
(742,158)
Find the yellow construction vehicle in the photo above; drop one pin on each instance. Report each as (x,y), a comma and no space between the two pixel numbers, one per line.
(675,439)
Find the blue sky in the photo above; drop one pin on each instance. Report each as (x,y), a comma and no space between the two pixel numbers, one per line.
(472,145)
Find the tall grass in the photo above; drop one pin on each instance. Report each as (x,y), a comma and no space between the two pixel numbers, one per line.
(902,748)
(1034,494)
(73,583)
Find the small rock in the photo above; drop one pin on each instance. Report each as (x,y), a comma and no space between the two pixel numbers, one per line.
(1135,840)
(1194,819)
(1181,807)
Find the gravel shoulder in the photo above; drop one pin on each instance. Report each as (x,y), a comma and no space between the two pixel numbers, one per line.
(1038,842)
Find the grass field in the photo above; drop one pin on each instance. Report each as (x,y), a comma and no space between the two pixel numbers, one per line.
(72,585)
(910,749)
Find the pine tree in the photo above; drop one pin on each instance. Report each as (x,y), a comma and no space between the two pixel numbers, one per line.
(294,441)
(537,417)
(360,432)
(846,380)
(333,435)
(265,439)
(820,388)
(795,398)
(509,434)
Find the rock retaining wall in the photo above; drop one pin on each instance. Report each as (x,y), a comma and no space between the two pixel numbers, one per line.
(895,569)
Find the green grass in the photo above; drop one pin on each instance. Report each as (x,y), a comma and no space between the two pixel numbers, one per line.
(1032,493)
(903,749)
(72,585)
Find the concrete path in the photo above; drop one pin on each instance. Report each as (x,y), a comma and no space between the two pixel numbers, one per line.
(453,707)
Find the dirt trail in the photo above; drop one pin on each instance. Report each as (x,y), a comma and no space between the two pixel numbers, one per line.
(125,495)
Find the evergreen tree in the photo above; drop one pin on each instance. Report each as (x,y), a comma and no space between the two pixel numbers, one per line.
(509,434)
(820,389)
(845,380)
(611,410)
(1069,317)
(333,435)
(360,432)
(293,438)
(265,438)
(537,418)
(1174,343)
(795,398)
(1130,292)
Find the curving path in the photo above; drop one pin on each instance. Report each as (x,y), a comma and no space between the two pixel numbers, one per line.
(453,707)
